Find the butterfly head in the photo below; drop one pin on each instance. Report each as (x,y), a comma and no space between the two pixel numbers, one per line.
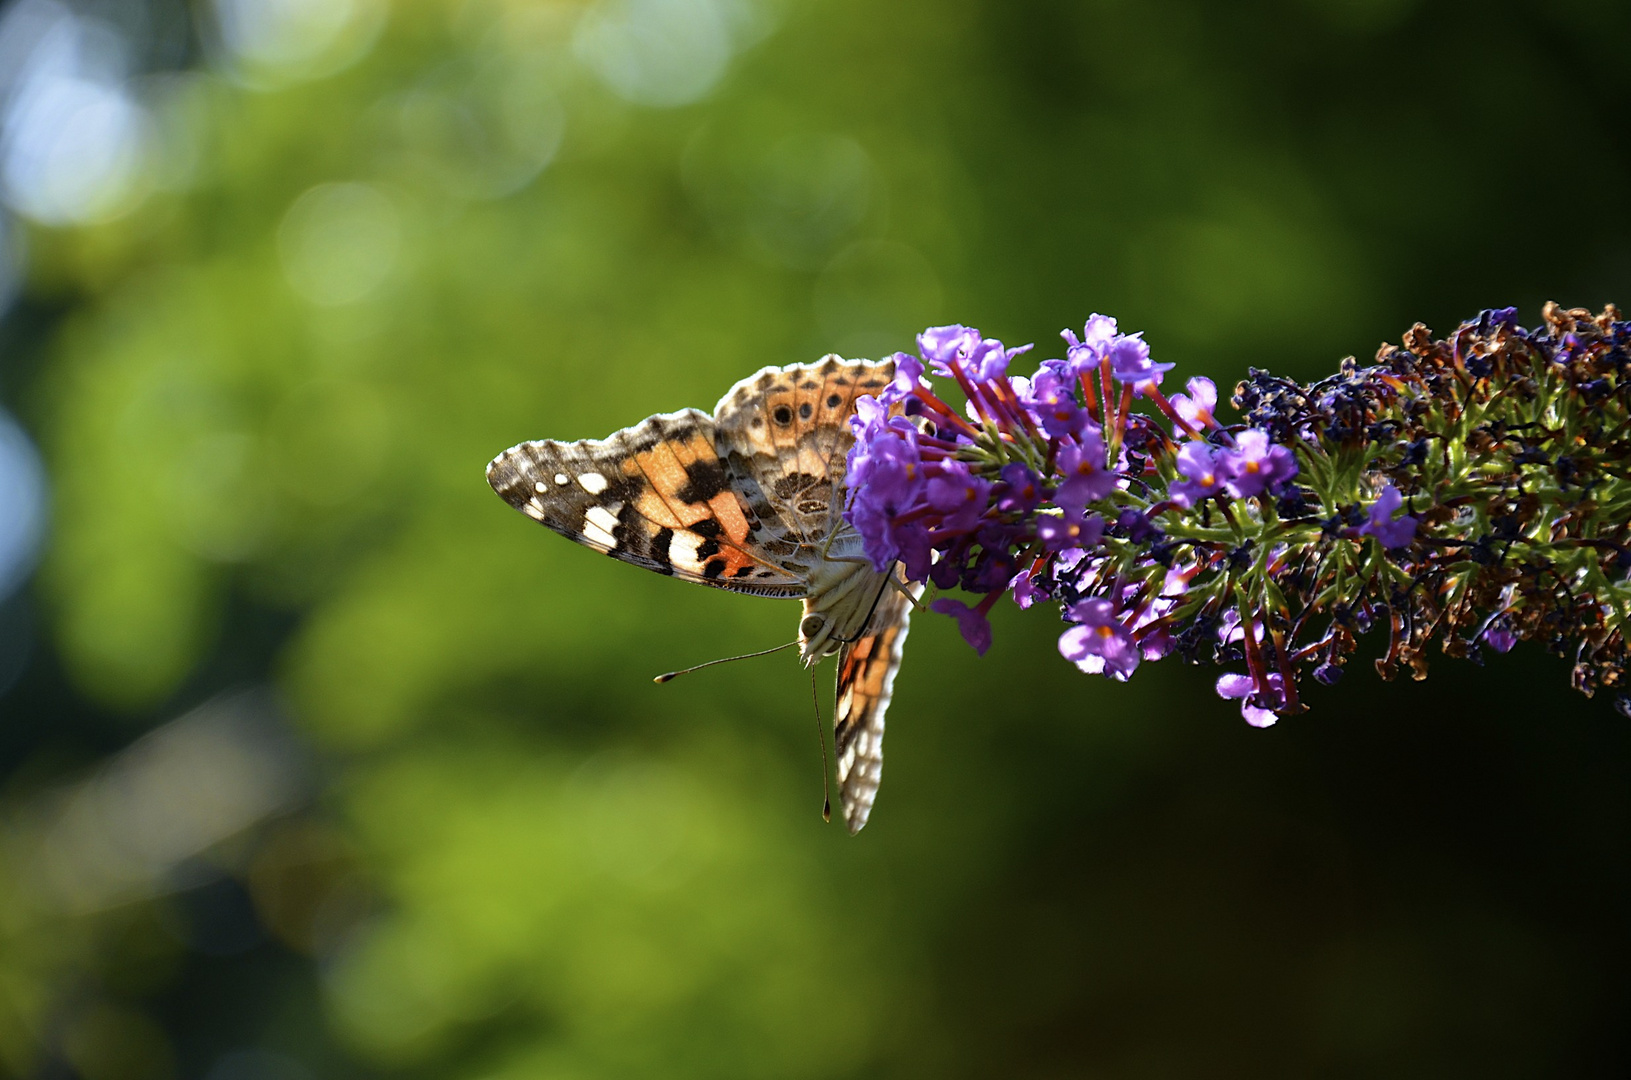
(843,595)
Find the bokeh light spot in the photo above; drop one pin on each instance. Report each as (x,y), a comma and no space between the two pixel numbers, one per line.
(278,41)
(74,145)
(338,242)
(22,505)
(656,52)
(485,131)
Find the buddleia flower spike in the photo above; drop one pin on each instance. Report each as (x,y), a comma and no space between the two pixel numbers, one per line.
(1472,490)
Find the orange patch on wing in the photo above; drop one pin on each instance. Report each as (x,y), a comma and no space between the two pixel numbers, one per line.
(664,465)
(736,559)
(860,674)
(728,512)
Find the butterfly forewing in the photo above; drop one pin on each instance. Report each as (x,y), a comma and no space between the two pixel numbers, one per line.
(655,495)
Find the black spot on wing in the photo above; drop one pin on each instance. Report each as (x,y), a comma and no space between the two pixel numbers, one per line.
(659,550)
(703,480)
(805,411)
(714,567)
(709,530)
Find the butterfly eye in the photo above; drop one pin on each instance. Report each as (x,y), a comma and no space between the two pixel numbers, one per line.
(811,626)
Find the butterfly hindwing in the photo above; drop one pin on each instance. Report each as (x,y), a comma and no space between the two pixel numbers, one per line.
(786,432)
(655,495)
(866,681)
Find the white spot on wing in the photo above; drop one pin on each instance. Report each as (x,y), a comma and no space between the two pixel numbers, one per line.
(533,510)
(592,482)
(596,535)
(601,518)
(540,487)
(562,479)
(682,551)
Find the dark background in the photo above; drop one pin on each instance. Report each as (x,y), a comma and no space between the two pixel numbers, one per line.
(318,760)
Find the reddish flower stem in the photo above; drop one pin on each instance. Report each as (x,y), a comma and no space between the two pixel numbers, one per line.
(1171,412)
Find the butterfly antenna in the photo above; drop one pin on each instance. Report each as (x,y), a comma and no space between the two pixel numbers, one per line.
(745,656)
(821,741)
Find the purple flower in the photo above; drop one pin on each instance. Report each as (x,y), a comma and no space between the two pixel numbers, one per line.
(874,521)
(958,494)
(1155,644)
(961,347)
(1245,688)
(1130,363)
(1498,634)
(1199,405)
(1084,353)
(1388,532)
(1328,674)
(891,472)
(1200,469)
(1098,643)
(1072,529)
(947,571)
(1137,526)
(940,345)
(1053,402)
(1026,591)
(884,478)
(971,621)
(988,361)
(911,541)
(1254,464)
(1086,479)
(908,375)
(993,569)
(1019,490)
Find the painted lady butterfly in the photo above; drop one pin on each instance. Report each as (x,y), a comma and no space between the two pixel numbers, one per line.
(750,500)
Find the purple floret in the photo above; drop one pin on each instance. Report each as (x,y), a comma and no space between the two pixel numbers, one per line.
(1099,643)
(1199,467)
(970,621)
(1199,405)
(1253,697)
(1389,533)
(958,495)
(1130,363)
(1071,529)
(1255,464)
(1086,477)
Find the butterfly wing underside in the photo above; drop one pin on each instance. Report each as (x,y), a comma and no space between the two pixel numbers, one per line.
(750,500)
(866,681)
(656,495)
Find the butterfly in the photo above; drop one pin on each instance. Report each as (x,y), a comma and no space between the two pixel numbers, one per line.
(750,500)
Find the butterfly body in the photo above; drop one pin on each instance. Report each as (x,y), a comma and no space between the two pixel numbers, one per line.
(749,500)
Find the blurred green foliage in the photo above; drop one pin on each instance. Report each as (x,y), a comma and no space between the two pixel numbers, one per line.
(274,386)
